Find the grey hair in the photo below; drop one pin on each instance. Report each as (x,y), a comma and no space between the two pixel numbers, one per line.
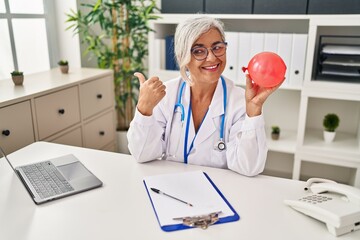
(187,33)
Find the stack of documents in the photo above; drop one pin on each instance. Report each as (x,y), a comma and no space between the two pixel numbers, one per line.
(191,187)
(337,60)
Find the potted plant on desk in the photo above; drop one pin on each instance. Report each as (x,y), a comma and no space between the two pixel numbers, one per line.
(17,77)
(64,66)
(116,33)
(331,122)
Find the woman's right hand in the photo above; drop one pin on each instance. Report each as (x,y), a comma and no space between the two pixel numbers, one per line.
(151,92)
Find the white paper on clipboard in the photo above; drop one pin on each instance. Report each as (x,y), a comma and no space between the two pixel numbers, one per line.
(192,187)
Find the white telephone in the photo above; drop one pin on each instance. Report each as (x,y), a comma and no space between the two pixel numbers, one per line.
(337,205)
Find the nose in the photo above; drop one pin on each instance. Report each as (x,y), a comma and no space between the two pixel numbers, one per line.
(210,55)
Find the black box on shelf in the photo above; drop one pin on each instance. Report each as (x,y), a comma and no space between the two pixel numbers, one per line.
(280,7)
(182,6)
(334,7)
(338,59)
(228,6)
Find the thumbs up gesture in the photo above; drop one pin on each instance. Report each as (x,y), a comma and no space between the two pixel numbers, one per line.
(151,92)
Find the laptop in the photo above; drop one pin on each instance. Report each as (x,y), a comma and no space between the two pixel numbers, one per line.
(55,178)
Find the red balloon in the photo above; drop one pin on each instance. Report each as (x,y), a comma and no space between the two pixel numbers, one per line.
(267,69)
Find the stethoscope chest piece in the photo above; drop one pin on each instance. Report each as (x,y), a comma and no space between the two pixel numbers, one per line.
(220,146)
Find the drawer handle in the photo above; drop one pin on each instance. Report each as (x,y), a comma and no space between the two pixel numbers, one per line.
(6,132)
(99,96)
(61,111)
(102,133)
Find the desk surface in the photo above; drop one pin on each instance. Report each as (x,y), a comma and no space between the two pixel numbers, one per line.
(121,208)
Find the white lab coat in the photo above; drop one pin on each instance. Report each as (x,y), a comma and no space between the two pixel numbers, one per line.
(246,150)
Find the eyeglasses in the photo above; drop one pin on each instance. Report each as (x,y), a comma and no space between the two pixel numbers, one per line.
(201,53)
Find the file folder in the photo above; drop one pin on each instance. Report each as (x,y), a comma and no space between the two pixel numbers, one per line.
(243,54)
(284,51)
(298,57)
(257,43)
(231,56)
(194,187)
(271,42)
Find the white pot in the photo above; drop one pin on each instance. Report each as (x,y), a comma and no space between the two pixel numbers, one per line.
(329,136)
(122,142)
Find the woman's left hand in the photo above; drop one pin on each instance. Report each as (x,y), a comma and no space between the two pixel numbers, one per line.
(256,96)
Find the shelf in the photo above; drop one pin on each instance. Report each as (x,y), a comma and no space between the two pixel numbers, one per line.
(339,174)
(345,145)
(279,164)
(276,173)
(286,143)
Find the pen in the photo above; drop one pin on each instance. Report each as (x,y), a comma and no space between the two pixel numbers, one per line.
(160,192)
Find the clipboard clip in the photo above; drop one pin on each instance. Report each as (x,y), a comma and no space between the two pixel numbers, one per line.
(203,221)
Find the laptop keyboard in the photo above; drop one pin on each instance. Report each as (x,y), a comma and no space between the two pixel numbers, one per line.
(46,179)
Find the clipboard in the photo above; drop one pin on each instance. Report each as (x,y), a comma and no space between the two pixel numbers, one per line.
(209,205)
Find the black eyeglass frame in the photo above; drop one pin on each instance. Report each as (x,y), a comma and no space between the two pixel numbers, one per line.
(207,51)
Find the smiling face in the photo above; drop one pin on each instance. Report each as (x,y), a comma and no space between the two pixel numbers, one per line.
(208,70)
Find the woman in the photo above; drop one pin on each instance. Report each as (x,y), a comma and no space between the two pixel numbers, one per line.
(202,118)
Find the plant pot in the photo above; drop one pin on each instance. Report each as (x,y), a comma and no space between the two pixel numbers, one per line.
(18,80)
(275,136)
(64,69)
(329,136)
(122,142)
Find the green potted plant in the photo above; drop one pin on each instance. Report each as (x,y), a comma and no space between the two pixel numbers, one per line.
(116,33)
(64,66)
(330,122)
(17,77)
(275,132)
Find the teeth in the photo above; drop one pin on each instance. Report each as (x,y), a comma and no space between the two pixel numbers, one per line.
(211,67)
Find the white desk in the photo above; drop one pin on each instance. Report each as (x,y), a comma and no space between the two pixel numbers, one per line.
(121,208)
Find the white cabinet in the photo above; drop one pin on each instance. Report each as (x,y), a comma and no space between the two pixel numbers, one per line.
(75,109)
(96,96)
(57,111)
(16,126)
(299,106)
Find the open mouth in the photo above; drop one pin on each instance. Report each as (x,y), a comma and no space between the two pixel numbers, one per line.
(212,67)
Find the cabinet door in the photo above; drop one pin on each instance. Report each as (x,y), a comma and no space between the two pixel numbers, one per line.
(280,7)
(96,96)
(334,7)
(16,126)
(228,6)
(100,131)
(183,6)
(72,138)
(57,111)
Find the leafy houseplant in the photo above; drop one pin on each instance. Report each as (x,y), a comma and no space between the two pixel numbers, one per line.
(119,43)
(331,122)
(64,66)
(275,132)
(17,77)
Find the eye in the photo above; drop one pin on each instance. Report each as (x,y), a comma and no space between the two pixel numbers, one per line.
(218,48)
(198,51)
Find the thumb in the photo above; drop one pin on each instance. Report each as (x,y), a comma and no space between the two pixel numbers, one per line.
(140,76)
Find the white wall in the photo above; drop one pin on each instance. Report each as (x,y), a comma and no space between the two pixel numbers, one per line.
(69,44)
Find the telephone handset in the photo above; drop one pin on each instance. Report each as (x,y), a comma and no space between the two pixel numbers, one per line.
(337,205)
